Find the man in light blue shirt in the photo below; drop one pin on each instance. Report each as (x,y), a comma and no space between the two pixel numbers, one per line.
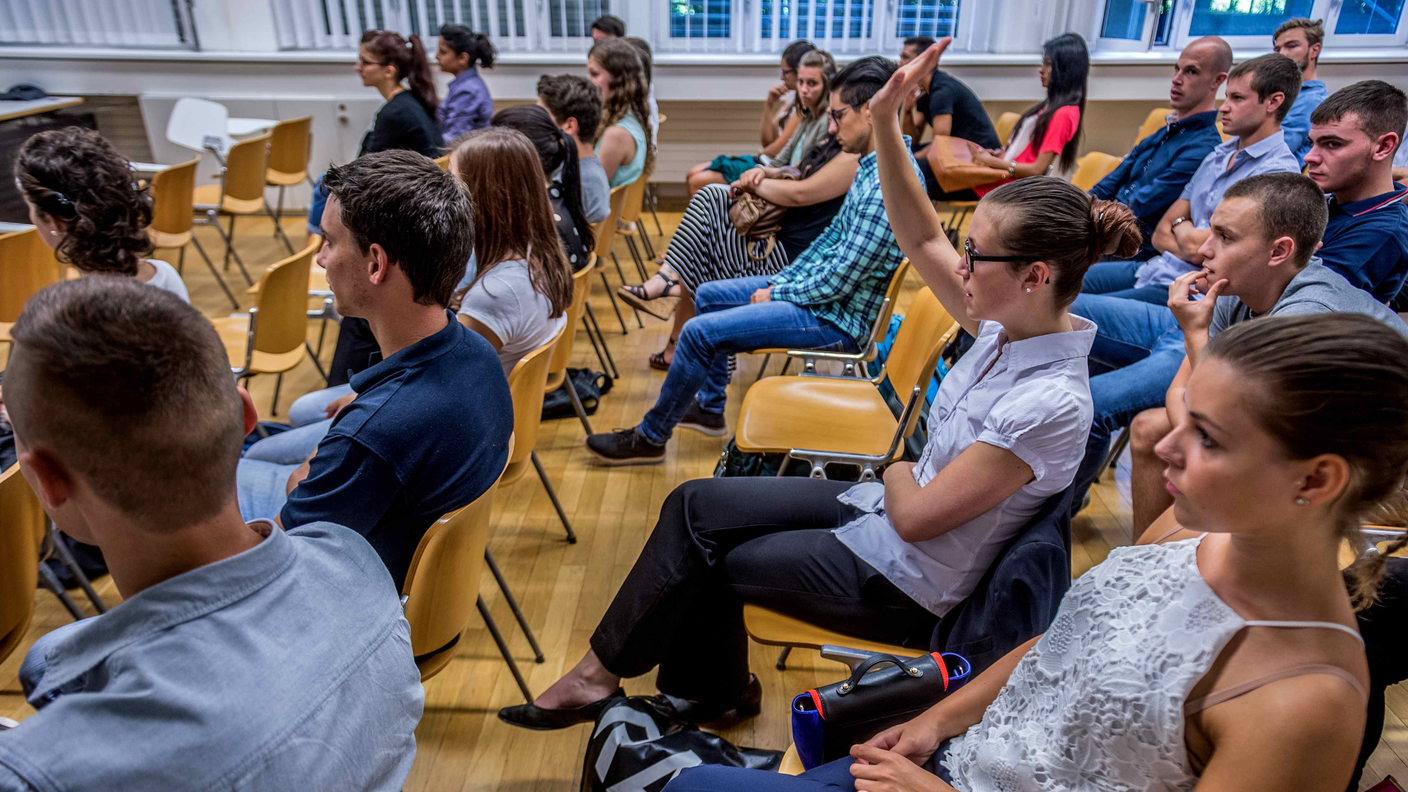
(242,657)
(1300,40)
(1259,92)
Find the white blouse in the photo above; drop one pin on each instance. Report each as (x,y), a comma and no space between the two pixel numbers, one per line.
(1035,402)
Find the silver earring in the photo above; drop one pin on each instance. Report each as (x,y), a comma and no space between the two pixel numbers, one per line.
(1029,291)
(1301,501)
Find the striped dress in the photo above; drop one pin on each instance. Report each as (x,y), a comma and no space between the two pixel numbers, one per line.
(706,247)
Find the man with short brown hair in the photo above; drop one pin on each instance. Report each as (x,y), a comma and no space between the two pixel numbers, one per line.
(1300,40)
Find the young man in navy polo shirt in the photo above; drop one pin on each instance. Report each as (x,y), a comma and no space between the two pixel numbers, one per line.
(1354,135)
(427,430)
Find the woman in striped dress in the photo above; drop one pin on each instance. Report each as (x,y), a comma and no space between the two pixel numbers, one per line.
(706,247)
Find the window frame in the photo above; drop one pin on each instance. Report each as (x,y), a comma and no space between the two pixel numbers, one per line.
(1179,37)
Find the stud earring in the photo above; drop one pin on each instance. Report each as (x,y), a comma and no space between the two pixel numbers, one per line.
(1029,291)
(1301,501)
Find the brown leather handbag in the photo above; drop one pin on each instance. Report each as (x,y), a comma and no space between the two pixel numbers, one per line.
(952,163)
(757,219)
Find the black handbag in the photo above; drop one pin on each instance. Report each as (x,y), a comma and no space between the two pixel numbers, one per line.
(827,721)
(590,385)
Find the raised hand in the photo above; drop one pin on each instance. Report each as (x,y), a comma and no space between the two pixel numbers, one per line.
(888,101)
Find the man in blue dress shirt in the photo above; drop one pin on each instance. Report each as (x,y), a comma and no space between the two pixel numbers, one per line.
(1152,175)
(1356,132)
(242,657)
(1300,40)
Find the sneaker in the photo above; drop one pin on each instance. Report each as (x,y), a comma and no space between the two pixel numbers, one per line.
(625,447)
(708,423)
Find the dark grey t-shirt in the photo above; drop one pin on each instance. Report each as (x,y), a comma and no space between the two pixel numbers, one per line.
(1316,289)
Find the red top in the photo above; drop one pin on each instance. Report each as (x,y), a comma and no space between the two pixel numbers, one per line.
(1064,123)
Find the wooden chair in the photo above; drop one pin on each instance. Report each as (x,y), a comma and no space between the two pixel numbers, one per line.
(1156,120)
(629,227)
(173,206)
(240,191)
(273,336)
(1093,167)
(22,526)
(562,351)
(443,161)
(605,233)
(1005,124)
(290,147)
(527,383)
(829,420)
(26,266)
(588,318)
(853,360)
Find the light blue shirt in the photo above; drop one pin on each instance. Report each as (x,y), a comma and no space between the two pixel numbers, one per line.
(1296,125)
(1030,397)
(286,667)
(1204,192)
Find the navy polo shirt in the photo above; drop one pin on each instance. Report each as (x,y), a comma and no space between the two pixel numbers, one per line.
(1367,242)
(427,434)
(1153,174)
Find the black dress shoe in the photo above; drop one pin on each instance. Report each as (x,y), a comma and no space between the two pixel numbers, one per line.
(748,704)
(531,716)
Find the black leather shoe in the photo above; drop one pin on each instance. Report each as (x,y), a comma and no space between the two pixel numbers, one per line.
(531,716)
(748,704)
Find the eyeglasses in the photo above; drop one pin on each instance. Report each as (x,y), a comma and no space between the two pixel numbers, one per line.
(837,114)
(970,256)
(786,72)
(364,62)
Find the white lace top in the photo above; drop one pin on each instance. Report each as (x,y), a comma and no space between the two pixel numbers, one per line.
(1098,703)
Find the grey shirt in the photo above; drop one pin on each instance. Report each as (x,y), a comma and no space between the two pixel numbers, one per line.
(285,667)
(596,190)
(1316,289)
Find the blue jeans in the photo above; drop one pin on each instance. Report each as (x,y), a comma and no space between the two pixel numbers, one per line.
(726,324)
(306,416)
(830,777)
(1116,279)
(262,488)
(315,208)
(1137,352)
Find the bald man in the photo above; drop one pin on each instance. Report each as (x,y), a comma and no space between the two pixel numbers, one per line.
(1152,176)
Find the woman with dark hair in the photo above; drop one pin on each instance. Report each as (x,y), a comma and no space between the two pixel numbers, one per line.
(624,144)
(88,207)
(706,247)
(780,121)
(522,283)
(1049,132)
(468,104)
(558,155)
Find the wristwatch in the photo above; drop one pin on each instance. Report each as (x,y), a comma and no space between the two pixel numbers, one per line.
(1176,221)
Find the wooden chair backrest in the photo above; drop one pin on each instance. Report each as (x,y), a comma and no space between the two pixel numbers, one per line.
(283,301)
(173,192)
(635,201)
(1153,122)
(926,329)
(525,384)
(289,145)
(21,533)
(1093,167)
(443,161)
(26,266)
(442,584)
(606,230)
(1005,124)
(893,292)
(581,289)
(245,168)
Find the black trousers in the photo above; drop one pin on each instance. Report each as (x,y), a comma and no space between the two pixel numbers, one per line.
(1386,645)
(355,346)
(721,542)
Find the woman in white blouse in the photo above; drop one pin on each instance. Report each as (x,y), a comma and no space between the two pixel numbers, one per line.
(88,207)
(881,562)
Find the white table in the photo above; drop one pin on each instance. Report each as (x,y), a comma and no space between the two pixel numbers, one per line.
(239,127)
(147,167)
(10,110)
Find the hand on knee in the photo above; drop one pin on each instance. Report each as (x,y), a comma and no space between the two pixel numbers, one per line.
(1147,429)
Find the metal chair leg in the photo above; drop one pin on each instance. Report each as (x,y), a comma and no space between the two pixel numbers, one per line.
(50,582)
(1113,456)
(645,241)
(67,559)
(210,265)
(593,329)
(622,276)
(786,364)
(577,408)
(543,476)
(279,229)
(635,256)
(513,606)
(230,249)
(278,383)
(782,658)
(314,357)
(607,285)
(763,369)
(181,261)
(503,650)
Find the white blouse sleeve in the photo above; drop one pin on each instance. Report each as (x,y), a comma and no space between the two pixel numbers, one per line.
(1045,428)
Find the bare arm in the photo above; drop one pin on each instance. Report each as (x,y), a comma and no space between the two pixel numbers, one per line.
(780,142)
(916,226)
(617,149)
(1021,170)
(943,124)
(1173,398)
(979,479)
(1182,241)
(771,108)
(832,181)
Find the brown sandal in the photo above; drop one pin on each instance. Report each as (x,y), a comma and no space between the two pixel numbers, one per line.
(661,306)
(658,361)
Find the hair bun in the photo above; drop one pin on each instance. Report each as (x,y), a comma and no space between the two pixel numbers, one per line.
(1115,230)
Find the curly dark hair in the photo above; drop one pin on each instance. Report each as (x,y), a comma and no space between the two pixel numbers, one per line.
(76,176)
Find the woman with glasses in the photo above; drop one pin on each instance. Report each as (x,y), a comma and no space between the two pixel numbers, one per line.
(878,561)
(780,121)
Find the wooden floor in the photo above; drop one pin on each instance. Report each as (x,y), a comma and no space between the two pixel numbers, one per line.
(565,588)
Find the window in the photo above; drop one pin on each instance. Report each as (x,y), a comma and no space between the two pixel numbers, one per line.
(936,18)
(1124,19)
(700,19)
(1247,24)
(522,25)
(96,23)
(1244,17)
(851,28)
(1369,17)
